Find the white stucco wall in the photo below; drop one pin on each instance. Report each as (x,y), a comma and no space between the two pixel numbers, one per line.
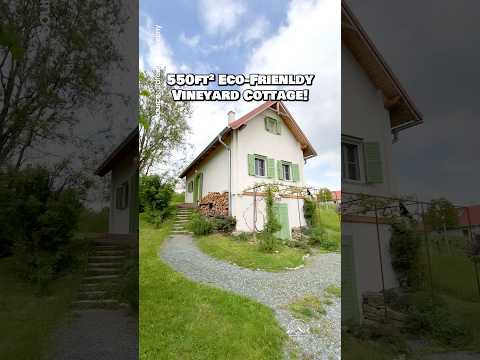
(215,173)
(119,219)
(254,139)
(364,116)
(243,211)
(367,260)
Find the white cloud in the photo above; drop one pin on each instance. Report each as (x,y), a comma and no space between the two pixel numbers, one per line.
(158,53)
(221,15)
(258,29)
(192,41)
(310,42)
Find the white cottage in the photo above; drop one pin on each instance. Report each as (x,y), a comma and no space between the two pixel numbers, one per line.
(375,108)
(122,164)
(265,145)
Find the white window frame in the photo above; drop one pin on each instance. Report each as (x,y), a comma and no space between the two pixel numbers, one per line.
(360,164)
(261,158)
(273,129)
(289,166)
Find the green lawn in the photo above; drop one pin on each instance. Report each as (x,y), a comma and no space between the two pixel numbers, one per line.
(27,320)
(461,282)
(180,319)
(247,254)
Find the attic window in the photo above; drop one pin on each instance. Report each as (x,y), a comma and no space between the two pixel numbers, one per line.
(272,125)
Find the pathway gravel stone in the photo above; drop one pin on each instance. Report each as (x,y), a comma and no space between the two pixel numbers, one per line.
(319,339)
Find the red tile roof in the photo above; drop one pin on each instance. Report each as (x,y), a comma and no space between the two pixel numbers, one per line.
(474,214)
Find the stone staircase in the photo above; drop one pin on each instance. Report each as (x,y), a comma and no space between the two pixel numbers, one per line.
(101,278)
(181,220)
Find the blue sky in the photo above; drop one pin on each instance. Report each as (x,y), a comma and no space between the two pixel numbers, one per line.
(271,36)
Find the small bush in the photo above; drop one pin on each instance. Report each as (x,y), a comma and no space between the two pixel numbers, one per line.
(243,236)
(433,319)
(200,225)
(309,209)
(317,235)
(225,224)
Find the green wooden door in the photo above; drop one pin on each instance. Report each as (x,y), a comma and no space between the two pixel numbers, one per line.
(350,302)
(281,213)
(197,188)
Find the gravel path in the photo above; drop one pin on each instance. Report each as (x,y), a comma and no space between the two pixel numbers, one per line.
(97,334)
(272,289)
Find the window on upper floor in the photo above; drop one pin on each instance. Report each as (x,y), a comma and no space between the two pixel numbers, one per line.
(259,166)
(287,171)
(272,125)
(351,161)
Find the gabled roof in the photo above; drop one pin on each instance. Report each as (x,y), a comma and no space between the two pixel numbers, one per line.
(403,112)
(280,109)
(126,146)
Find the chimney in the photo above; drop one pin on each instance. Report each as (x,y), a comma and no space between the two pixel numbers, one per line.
(231,116)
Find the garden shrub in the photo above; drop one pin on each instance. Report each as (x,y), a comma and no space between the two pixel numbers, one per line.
(309,210)
(433,319)
(317,235)
(155,198)
(243,236)
(225,224)
(42,219)
(200,225)
(404,250)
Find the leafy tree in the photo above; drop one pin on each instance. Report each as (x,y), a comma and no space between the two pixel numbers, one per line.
(324,194)
(41,216)
(50,66)
(155,196)
(441,214)
(163,121)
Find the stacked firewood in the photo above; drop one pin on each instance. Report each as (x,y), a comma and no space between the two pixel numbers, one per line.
(214,204)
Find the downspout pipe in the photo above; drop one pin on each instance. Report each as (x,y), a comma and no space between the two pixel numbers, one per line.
(229,174)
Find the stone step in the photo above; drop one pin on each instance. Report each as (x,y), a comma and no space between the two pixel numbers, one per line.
(106,258)
(95,304)
(91,295)
(181,233)
(103,271)
(108,247)
(99,278)
(109,252)
(117,265)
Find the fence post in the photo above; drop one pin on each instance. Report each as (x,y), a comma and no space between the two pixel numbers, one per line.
(299,216)
(380,257)
(429,261)
(255,213)
(471,241)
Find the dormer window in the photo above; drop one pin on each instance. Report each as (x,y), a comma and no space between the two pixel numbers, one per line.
(272,125)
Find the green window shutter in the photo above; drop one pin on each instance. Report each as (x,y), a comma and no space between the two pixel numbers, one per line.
(279,127)
(279,170)
(267,124)
(251,164)
(295,172)
(200,187)
(271,168)
(373,162)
